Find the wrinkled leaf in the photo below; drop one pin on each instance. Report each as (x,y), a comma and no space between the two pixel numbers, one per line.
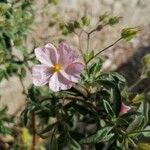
(100,136)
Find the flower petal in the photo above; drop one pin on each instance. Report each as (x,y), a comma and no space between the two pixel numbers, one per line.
(72,72)
(124,109)
(41,74)
(47,54)
(53,52)
(67,54)
(57,82)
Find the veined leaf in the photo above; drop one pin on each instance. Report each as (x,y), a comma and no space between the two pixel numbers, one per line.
(100,136)
(136,124)
(109,109)
(74,145)
(116,99)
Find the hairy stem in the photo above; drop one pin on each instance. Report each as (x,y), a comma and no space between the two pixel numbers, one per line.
(88,38)
(34,133)
(105,49)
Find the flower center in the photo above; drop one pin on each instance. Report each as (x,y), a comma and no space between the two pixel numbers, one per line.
(57,68)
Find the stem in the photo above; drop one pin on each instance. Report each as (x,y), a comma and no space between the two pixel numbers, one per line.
(139,131)
(105,49)
(32,120)
(88,38)
(88,41)
(23,87)
(34,133)
(80,99)
(79,42)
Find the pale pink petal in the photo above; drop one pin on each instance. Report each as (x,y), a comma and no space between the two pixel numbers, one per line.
(67,54)
(73,71)
(57,82)
(47,55)
(53,52)
(41,74)
(124,109)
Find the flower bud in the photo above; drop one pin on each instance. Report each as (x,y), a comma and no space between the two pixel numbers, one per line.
(85,20)
(114,20)
(77,24)
(99,27)
(129,33)
(124,109)
(146,60)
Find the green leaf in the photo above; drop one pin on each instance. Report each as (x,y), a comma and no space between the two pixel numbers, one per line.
(147,134)
(51,144)
(74,145)
(88,56)
(109,109)
(112,83)
(65,30)
(3,74)
(47,129)
(106,83)
(70,27)
(140,121)
(143,146)
(22,72)
(146,61)
(94,69)
(136,124)
(138,98)
(25,116)
(116,96)
(81,109)
(119,76)
(100,136)
(3,57)
(144,109)
(33,92)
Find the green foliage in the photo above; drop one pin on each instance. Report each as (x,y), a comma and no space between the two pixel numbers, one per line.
(53,1)
(146,62)
(101,135)
(4,122)
(88,56)
(14,25)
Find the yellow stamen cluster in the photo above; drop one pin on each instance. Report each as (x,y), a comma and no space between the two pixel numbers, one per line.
(57,68)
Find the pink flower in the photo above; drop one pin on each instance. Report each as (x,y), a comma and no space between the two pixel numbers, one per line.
(124,109)
(60,68)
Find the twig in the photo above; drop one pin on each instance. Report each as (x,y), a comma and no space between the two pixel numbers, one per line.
(34,133)
(79,42)
(138,131)
(104,49)
(23,87)
(88,38)
(32,120)
(80,99)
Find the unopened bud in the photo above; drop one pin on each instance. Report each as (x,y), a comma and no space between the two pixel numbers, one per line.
(129,33)
(99,27)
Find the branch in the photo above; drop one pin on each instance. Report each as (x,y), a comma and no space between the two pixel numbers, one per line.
(104,49)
